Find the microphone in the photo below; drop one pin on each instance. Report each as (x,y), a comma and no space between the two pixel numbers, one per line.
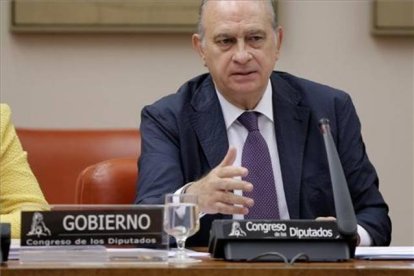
(345,215)
(292,240)
(4,241)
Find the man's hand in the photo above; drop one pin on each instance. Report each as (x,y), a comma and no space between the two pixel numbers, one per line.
(334,218)
(215,190)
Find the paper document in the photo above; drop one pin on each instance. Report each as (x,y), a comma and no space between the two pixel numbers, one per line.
(14,249)
(385,253)
(130,252)
(116,253)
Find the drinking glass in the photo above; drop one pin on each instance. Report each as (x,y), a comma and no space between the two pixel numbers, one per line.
(181,220)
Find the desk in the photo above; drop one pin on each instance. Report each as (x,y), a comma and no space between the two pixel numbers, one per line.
(219,268)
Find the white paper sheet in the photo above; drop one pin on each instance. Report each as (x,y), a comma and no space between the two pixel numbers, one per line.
(114,253)
(385,253)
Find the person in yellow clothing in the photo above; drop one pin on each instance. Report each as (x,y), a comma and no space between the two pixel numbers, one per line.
(19,188)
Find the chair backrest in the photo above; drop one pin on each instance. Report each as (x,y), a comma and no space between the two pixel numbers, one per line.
(108,182)
(57,157)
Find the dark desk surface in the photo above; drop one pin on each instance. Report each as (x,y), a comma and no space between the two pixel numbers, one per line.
(209,267)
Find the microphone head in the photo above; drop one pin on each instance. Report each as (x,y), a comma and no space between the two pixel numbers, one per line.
(324,125)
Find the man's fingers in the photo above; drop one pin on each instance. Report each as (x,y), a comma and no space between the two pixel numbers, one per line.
(231,184)
(225,202)
(231,171)
(231,209)
(228,160)
(232,199)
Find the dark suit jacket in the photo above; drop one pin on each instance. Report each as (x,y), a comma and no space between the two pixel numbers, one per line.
(184,137)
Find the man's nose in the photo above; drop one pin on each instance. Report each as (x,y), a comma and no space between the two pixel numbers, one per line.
(241,54)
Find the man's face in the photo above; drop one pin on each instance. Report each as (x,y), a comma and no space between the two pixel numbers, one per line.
(240,48)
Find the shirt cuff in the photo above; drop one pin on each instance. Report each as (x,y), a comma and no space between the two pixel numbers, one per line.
(183,188)
(364,237)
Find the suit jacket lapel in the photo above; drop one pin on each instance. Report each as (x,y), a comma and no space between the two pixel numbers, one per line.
(291,126)
(207,121)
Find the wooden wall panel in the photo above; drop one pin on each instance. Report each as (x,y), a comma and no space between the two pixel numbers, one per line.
(104,15)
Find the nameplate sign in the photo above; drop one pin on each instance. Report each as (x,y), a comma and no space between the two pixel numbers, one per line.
(136,227)
(276,229)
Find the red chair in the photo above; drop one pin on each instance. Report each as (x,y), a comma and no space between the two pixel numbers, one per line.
(108,182)
(57,157)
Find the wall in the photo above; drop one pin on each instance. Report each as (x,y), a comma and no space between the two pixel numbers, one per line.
(103,81)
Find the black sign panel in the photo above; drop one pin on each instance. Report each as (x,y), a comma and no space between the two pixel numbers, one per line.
(114,227)
(280,229)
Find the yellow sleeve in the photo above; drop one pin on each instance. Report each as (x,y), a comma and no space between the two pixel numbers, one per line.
(19,188)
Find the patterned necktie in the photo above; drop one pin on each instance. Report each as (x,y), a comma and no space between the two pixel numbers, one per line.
(256,158)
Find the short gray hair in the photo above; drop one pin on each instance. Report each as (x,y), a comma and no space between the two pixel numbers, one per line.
(200,27)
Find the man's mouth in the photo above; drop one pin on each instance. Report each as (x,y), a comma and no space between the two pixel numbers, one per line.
(244,73)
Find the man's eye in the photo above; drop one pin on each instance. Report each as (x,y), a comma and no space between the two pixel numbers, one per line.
(256,38)
(225,41)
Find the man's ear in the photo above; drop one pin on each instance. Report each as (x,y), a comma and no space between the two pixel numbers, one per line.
(279,39)
(198,47)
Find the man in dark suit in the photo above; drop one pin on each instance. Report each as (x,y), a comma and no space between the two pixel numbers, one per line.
(192,140)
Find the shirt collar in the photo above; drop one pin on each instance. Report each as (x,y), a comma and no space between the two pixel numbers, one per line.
(232,112)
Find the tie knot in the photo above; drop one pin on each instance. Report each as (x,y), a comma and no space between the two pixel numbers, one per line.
(249,121)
